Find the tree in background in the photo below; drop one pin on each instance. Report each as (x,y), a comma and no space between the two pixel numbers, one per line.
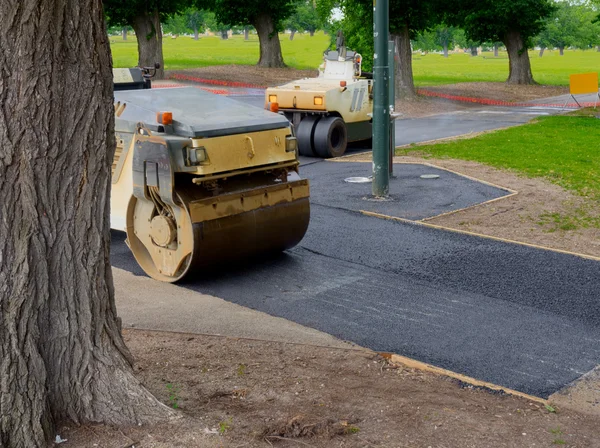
(304,18)
(62,355)
(446,37)
(513,22)
(266,17)
(217,27)
(145,17)
(571,25)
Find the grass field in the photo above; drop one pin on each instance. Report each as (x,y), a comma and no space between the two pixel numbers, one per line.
(561,149)
(305,52)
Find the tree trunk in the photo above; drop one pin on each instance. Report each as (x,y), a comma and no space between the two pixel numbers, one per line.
(405,86)
(542,49)
(270,47)
(474,51)
(292,34)
(224,34)
(445,49)
(196,33)
(149,38)
(124,33)
(495,50)
(561,51)
(62,356)
(312,33)
(246,33)
(518,59)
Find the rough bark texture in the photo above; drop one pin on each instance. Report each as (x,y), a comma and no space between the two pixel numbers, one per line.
(405,85)
(270,47)
(519,64)
(61,351)
(149,38)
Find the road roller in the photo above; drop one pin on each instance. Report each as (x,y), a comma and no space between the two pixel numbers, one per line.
(331,110)
(200,179)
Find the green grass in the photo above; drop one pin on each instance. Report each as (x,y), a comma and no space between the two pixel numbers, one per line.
(304,52)
(561,149)
(551,69)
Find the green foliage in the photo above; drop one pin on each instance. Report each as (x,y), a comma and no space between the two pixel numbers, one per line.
(304,18)
(244,12)
(123,12)
(491,20)
(556,148)
(571,25)
(173,390)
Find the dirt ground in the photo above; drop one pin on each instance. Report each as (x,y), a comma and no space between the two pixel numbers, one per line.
(250,74)
(245,393)
(500,91)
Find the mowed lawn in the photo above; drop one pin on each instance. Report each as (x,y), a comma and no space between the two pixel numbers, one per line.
(304,52)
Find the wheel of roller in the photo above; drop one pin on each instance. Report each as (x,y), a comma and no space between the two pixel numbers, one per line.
(164,246)
(304,134)
(330,138)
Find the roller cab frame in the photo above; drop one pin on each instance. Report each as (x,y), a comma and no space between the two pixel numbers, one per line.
(328,111)
(199,179)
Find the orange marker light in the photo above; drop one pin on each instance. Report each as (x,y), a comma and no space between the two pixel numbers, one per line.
(342,83)
(165,118)
(274,107)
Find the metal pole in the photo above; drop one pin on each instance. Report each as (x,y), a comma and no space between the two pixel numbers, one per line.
(392,96)
(381,104)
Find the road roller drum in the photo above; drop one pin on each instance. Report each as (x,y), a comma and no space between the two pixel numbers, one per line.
(199,179)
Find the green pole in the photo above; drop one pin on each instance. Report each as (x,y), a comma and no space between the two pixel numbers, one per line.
(381,104)
(392,97)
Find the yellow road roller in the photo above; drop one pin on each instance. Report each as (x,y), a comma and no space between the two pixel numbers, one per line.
(331,110)
(200,179)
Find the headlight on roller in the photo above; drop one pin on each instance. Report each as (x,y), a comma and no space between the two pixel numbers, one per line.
(318,100)
(196,155)
(272,98)
(291,144)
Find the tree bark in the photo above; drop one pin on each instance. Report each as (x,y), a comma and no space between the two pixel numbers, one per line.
(246,33)
(495,50)
(518,59)
(542,49)
(311,33)
(270,47)
(474,51)
(445,49)
(196,33)
(149,38)
(124,33)
(62,355)
(561,51)
(292,33)
(224,34)
(405,86)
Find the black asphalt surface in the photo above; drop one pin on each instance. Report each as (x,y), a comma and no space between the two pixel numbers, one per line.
(411,197)
(524,318)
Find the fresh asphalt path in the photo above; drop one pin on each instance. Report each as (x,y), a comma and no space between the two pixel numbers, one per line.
(524,318)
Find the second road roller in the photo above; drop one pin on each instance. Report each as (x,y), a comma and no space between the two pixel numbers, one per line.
(331,110)
(200,179)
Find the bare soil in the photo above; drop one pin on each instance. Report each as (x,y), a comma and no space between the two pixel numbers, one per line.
(500,91)
(245,393)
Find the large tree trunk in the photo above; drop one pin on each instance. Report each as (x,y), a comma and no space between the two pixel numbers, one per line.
(405,85)
(61,351)
(292,33)
(270,48)
(124,33)
(149,38)
(519,64)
